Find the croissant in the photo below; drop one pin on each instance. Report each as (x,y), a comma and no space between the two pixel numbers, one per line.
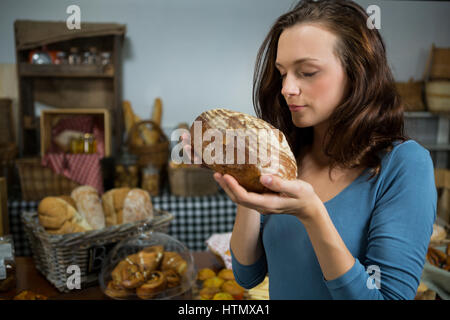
(172,260)
(146,261)
(115,291)
(155,284)
(172,277)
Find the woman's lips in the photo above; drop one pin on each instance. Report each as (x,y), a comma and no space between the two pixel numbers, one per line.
(294,107)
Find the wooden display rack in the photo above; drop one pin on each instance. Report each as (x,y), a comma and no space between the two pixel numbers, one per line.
(48,117)
(68,86)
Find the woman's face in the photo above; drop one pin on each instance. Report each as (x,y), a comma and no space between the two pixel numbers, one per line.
(312,76)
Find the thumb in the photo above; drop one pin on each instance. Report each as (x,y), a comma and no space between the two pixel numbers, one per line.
(290,188)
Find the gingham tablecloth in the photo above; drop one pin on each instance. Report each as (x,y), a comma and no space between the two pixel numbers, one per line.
(195,218)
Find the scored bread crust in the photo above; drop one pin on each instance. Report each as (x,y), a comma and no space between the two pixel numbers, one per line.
(137,206)
(247,174)
(112,202)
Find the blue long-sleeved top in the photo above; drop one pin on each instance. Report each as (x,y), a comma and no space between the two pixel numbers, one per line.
(385,222)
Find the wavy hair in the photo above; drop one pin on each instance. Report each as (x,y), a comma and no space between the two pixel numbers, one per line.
(370,116)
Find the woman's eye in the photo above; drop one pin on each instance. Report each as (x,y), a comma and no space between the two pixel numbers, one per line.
(309,74)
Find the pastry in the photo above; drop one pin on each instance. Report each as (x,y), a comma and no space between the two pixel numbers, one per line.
(233,288)
(89,205)
(264,149)
(147,261)
(137,206)
(226,274)
(213,282)
(205,273)
(172,277)
(116,291)
(172,260)
(223,296)
(208,293)
(156,283)
(58,216)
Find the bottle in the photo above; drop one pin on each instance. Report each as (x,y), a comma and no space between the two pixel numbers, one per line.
(74,56)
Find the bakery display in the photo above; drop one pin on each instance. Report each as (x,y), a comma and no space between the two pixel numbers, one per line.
(84,210)
(263,148)
(147,274)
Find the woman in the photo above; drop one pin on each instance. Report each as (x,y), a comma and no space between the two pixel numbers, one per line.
(357,222)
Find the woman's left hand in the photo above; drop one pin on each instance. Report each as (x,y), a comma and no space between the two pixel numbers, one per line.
(295,197)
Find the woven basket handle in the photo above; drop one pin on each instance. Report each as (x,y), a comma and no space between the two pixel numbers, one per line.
(155,126)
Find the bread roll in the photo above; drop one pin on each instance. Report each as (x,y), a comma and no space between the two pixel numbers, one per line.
(112,202)
(58,216)
(137,206)
(89,205)
(265,150)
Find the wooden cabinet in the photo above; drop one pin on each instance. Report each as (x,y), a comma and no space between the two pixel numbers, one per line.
(69,86)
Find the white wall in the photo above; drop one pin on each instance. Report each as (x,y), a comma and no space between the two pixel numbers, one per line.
(200,54)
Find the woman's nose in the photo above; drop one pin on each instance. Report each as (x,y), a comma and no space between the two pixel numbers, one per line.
(289,87)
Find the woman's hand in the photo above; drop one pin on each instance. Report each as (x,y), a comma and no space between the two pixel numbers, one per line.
(296,197)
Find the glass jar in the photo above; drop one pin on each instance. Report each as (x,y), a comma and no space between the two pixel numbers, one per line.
(74,56)
(61,57)
(89,143)
(150,180)
(7,264)
(105,58)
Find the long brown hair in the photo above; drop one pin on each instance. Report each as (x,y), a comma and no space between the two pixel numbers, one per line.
(370,116)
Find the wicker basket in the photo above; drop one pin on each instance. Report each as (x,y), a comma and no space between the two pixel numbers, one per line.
(411,93)
(156,155)
(191,181)
(438,96)
(38,182)
(53,254)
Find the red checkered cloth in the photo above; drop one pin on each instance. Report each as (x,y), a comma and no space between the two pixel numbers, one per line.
(84,169)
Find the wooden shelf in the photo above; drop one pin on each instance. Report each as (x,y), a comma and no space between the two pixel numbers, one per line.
(419,114)
(437,147)
(66,70)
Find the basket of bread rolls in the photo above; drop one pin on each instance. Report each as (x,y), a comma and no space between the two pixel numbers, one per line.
(78,229)
(149,266)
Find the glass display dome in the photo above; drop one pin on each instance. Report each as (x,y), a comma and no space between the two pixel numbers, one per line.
(148,266)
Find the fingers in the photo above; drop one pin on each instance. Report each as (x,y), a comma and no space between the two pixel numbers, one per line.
(219,178)
(290,188)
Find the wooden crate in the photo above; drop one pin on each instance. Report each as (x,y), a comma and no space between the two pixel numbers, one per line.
(49,116)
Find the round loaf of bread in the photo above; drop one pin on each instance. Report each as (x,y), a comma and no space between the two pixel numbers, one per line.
(242,146)
(58,216)
(137,206)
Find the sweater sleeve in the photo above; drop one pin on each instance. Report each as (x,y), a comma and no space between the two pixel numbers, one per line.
(399,231)
(249,276)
